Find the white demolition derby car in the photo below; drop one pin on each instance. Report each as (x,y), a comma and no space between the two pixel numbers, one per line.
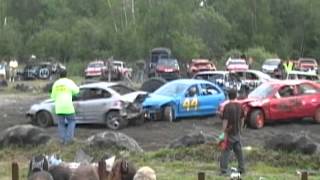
(112,104)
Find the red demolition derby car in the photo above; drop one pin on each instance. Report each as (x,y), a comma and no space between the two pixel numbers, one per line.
(281,100)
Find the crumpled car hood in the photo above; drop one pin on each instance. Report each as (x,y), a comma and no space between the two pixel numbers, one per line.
(157,100)
(131,97)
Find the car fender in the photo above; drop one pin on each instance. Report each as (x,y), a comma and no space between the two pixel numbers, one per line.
(263,104)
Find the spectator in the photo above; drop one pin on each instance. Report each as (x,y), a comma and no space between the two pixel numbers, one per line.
(232,122)
(62,91)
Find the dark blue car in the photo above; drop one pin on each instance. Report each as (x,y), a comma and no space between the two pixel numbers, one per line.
(184,98)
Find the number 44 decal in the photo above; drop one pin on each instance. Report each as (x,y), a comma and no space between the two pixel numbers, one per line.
(190,103)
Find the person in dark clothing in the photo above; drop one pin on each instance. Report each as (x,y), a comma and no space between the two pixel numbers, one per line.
(232,122)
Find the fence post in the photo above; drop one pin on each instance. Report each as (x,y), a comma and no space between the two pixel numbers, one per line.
(15,171)
(201,176)
(304,175)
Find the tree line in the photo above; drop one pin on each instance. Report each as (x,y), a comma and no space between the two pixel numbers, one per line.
(81,30)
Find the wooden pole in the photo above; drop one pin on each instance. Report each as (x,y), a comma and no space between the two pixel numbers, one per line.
(15,171)
(304,175)
(201,176)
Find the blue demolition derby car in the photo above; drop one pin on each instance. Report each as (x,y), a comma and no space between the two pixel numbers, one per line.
(183,98)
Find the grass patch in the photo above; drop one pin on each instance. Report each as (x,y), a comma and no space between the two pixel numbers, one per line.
(174,164)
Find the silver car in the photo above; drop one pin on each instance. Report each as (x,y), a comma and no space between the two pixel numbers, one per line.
(112,104)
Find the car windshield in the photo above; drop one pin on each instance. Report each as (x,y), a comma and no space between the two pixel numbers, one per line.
(168,62)
(95,65)
(262,91)
(238,62)
(118,64)
(272,62)
(171,89)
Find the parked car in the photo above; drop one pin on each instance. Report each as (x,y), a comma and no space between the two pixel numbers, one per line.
(292,75)
(183,98)
(307,64)
(236,64)
(95,69)
(270,65)
(168,69)
(112,104)
(224,79)
(124,70)
(198,65)
(3,72)
(42,70)
(252,78)
(281,100)
(155,55)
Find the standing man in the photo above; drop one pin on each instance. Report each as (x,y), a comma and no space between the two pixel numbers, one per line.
(62,91)
(232,122)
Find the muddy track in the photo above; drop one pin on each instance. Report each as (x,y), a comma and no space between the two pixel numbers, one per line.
(152,135)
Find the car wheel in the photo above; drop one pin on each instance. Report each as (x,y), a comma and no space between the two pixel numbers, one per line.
(44,119)
(257,119)
(114,120)
(317,116)
(152,84)
(44,73)
(168,114)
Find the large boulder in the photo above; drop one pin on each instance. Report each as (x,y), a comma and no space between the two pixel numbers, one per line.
(292,143)
(110,139)
(22,135)
(192,139)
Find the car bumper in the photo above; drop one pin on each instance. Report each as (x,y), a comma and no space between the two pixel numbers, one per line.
(169,75)
(153,114)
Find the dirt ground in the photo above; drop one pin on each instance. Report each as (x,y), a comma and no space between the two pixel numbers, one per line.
(151,135)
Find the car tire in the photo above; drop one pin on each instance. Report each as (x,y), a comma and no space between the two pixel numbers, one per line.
(317,116)
(44,119)
(257,119)
(152,84)
(114,121)
(168,114)
(44,73)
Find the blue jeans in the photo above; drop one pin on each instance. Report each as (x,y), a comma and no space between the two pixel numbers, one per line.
(66,126)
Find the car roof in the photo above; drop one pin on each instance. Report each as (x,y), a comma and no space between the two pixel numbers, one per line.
(303,73)
(273,59)
(102,85)
(189,81)
(289,82)
(212,72)
(238,60)
(117,61)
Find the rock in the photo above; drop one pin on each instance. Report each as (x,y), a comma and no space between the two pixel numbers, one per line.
(292,143)
(192,139)
(110,139)
(24,88)
(22,135)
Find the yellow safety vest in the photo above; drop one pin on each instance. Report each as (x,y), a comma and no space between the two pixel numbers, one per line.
(288,67)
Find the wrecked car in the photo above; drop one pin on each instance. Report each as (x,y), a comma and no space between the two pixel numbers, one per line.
(183,98)
(281,100)
(112,104)
(42,70)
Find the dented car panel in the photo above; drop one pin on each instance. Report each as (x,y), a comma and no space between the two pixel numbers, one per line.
(94,102)
(282,100)
(177,95)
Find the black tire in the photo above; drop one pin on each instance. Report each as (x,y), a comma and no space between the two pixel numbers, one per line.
(114,121)
(152,84)
(257,119)
(168,114)
(44,119)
